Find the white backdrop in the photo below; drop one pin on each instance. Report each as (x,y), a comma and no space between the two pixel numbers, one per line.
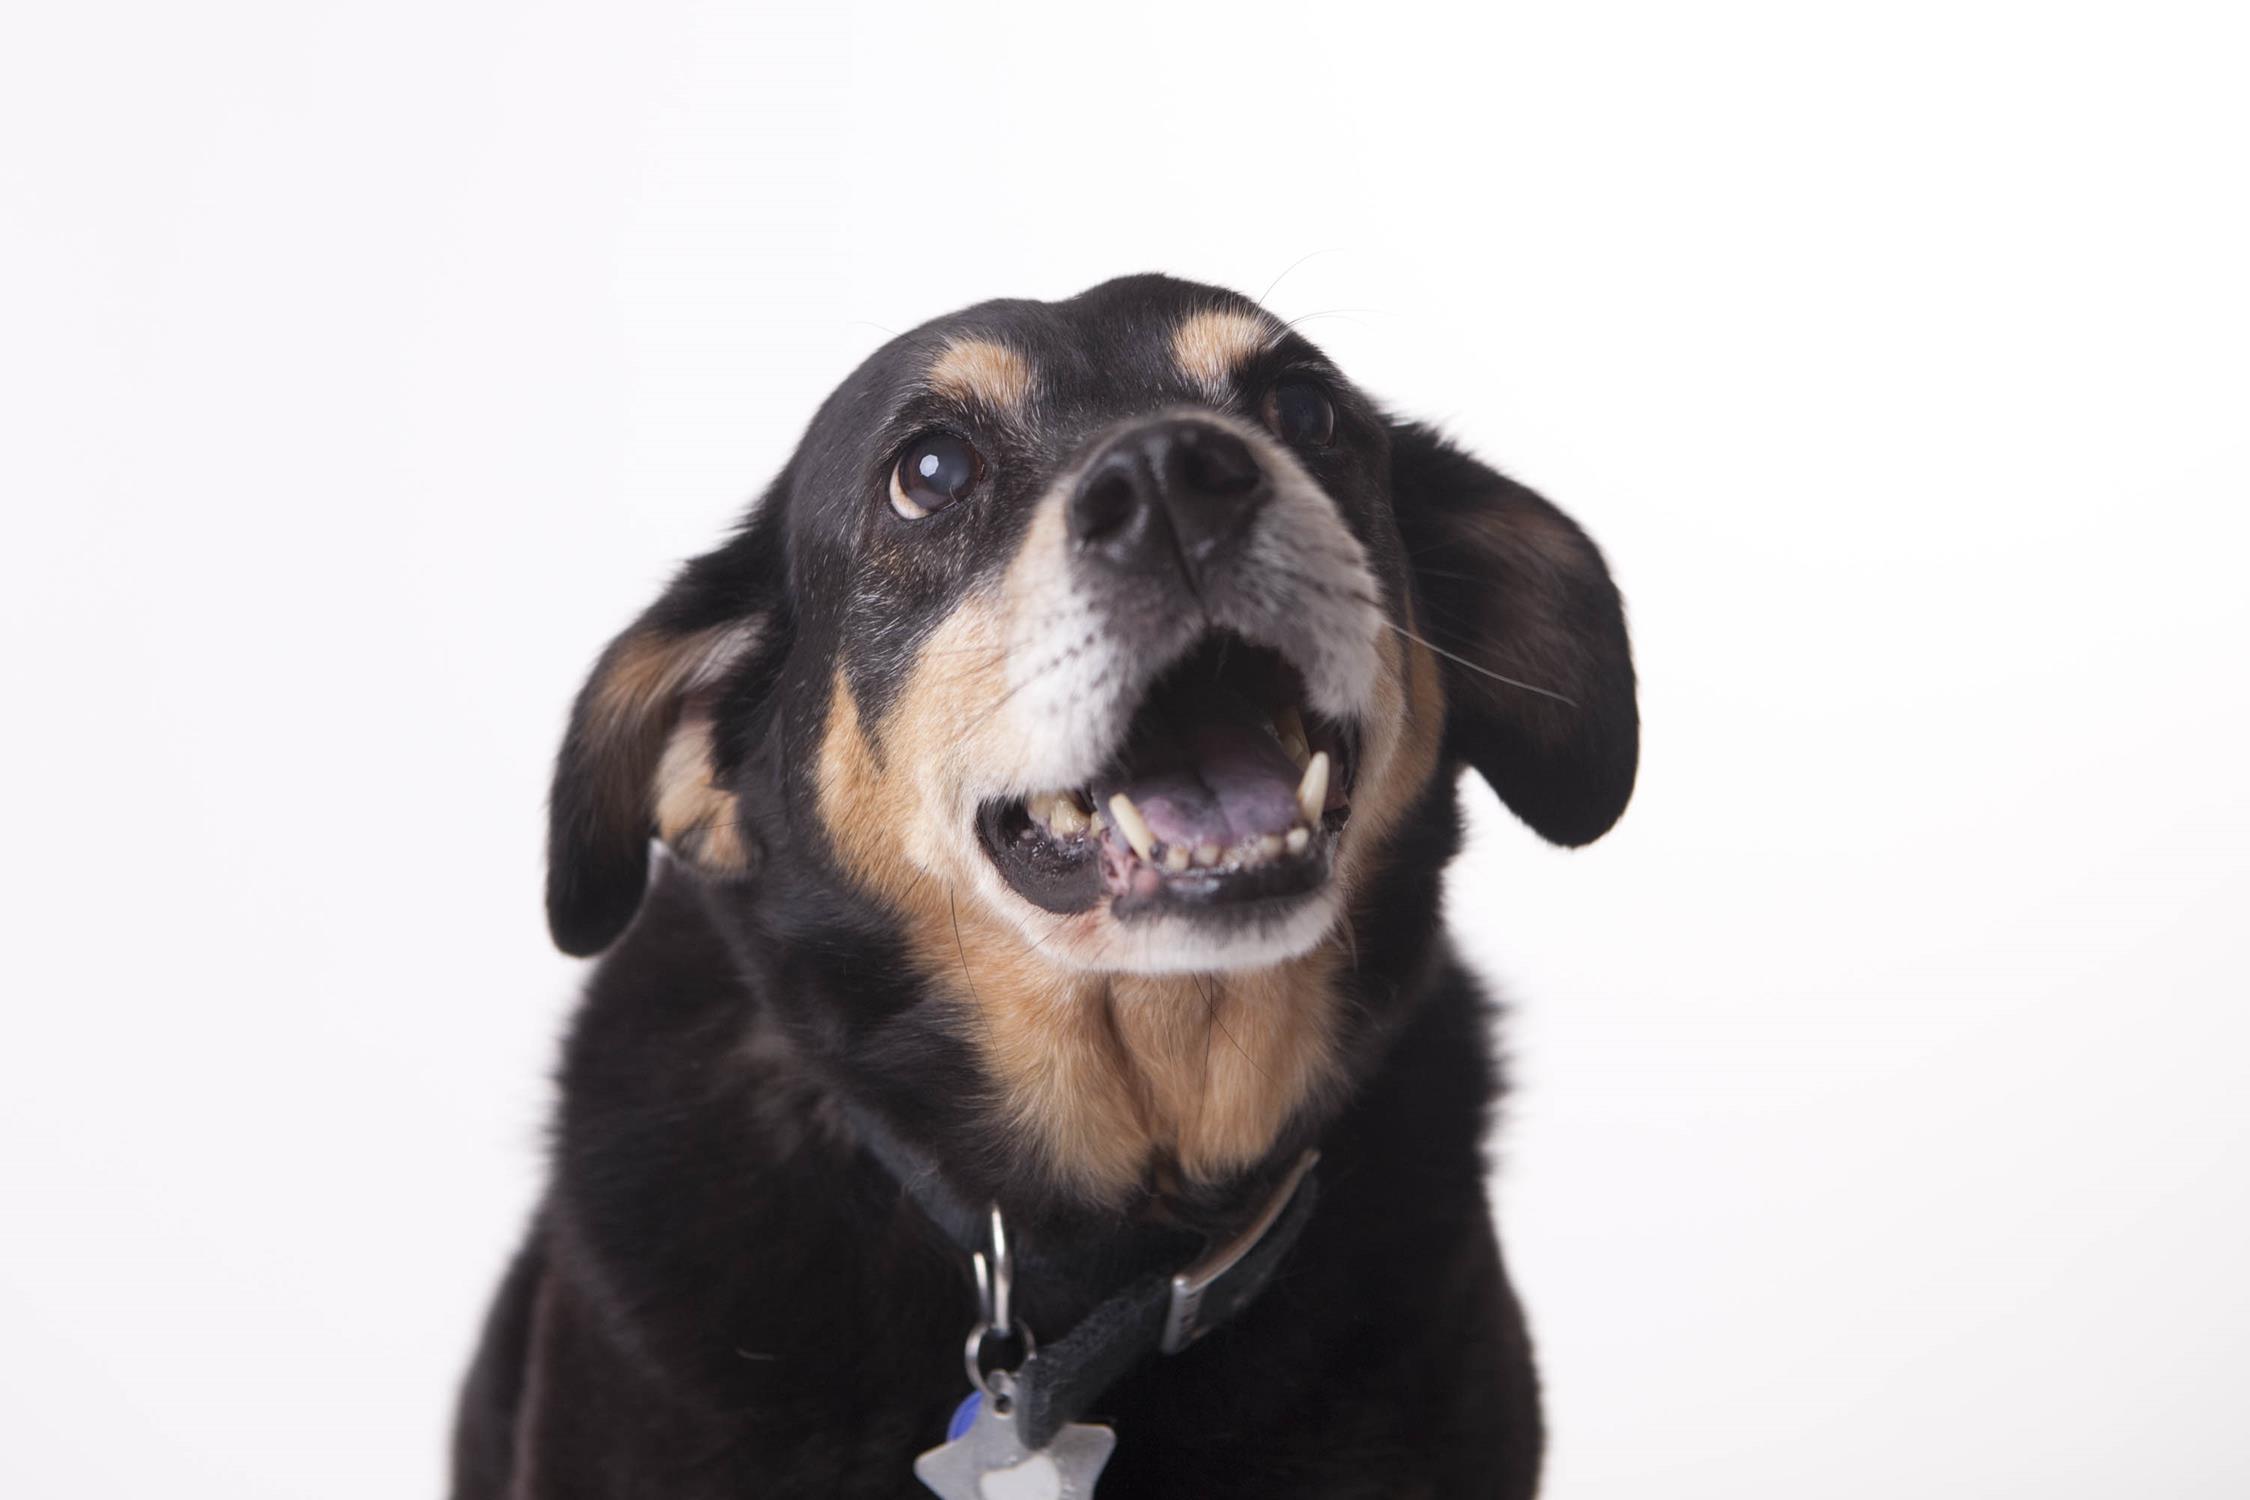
(1881,1125)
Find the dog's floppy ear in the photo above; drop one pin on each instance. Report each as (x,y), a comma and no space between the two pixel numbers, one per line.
(1512,589)
(638,762)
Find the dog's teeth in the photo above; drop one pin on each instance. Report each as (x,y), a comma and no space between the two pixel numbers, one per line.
(1312,792)
(1297,839)
(1269,845)
(1176,858)
(1290,730)
(1064,817)
(1207,855)
(1129,822)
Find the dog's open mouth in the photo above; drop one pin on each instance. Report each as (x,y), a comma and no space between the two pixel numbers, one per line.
(1228,790)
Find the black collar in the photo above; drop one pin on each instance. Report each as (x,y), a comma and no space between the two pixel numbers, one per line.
(1160,1311)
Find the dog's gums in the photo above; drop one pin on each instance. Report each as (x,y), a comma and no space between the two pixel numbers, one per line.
(1228,792)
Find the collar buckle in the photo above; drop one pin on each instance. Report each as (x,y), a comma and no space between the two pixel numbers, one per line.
(1184,1319)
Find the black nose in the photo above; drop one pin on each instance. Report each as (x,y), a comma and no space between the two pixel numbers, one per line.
(1177,492)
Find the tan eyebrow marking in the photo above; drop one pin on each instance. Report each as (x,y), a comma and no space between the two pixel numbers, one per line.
(1209,346)
(982,371)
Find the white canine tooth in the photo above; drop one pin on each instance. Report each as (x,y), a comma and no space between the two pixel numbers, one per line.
(1269,845)
(1312,792)
(1129,822)
(1207,854)
(1064,817)
(1290,730)
(1176,858)
(1296,839)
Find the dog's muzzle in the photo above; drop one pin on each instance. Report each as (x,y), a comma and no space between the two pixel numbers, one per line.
(1214,722)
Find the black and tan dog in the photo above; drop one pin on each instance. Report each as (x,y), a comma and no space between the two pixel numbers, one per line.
(1053,781)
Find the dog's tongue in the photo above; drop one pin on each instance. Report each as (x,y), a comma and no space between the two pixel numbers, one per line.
(1208,770)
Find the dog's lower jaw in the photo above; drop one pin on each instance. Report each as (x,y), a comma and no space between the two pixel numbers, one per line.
(1175,942)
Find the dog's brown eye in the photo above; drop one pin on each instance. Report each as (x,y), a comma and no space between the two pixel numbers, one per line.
(1300,412)
(932,473)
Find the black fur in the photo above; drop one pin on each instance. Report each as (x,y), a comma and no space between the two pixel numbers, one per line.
(724,1295)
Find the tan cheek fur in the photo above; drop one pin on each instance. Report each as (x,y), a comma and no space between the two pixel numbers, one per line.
(1115,1076)
(1405,734)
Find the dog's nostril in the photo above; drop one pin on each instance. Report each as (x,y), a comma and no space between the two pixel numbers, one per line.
(1172,493)
(1105,505)
(1214,464)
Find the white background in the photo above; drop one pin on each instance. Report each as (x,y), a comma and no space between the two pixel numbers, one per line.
(1881,1125)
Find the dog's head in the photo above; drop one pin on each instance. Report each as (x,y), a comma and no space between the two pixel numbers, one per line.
(1117,636)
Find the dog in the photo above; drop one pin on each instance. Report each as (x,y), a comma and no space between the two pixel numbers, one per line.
(1026,1053)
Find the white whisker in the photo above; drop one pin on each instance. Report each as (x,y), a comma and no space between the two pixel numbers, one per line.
(1480,670)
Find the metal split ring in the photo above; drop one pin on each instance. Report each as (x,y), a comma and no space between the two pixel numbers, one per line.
(996,1277)
(972,1359)
(996,1283)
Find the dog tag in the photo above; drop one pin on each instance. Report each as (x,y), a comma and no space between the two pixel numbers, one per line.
(984,1458)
